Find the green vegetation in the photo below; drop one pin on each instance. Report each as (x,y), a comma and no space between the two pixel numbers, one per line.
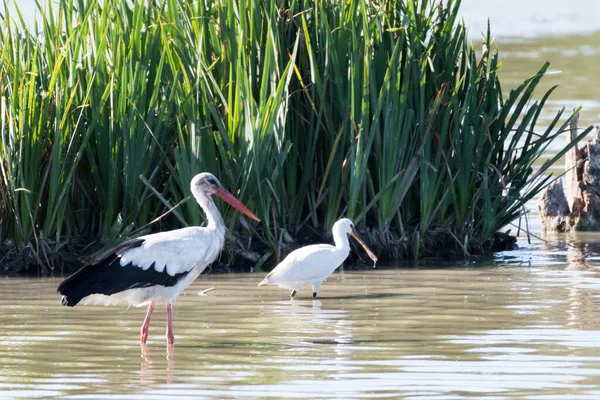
(378,111)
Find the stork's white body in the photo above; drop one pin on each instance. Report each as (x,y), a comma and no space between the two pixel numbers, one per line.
(174,252)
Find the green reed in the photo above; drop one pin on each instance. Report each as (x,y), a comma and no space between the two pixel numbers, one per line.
(306,110)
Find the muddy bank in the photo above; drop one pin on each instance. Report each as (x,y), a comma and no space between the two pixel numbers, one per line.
(236,258)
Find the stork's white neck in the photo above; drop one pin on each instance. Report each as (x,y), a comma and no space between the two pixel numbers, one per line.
(213,216)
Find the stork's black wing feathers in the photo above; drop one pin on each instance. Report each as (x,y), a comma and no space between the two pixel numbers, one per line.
(107,276)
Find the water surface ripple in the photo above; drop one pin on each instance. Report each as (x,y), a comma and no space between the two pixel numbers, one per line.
(454,333)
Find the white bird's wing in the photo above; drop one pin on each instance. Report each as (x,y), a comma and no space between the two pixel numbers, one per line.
(161,259)
(306,264)
(174,251)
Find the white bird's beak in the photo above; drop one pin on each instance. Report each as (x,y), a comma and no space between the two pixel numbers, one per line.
(372,256)
(235,203)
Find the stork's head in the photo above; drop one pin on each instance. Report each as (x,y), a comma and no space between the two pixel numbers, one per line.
(205,184)
(346,227)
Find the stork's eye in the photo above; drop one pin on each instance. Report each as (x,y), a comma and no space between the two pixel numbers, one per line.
(212,181)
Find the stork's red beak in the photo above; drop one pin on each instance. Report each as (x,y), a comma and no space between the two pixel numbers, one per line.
(235,203)
(372,256)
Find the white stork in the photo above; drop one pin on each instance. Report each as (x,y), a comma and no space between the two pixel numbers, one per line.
(155,268)
(311,265)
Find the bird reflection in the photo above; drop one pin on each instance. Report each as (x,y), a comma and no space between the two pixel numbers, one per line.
(151,372)
(305,326)
(575,256)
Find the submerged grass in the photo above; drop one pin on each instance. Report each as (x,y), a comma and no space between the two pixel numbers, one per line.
(307,110)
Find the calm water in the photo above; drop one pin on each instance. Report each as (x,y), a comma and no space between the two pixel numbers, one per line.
(525,325)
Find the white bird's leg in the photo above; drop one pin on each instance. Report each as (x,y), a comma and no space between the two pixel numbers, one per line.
(170,336)
(146,324)
(292,294)
(315,289)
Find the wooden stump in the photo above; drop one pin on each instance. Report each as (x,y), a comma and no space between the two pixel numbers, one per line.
(579,209)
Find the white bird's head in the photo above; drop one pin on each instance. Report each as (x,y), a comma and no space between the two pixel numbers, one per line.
(205,184)
(345,227)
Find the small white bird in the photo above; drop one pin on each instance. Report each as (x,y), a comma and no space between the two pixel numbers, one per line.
(156,268)
(311,265)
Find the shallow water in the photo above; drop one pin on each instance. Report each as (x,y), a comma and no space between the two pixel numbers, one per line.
(525,324)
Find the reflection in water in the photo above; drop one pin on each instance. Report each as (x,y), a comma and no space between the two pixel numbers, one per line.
(148,367)
(306,323)
(578,251)
(576,257)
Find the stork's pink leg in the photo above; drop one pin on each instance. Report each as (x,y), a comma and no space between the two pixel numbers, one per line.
(146,324)
(170,336)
